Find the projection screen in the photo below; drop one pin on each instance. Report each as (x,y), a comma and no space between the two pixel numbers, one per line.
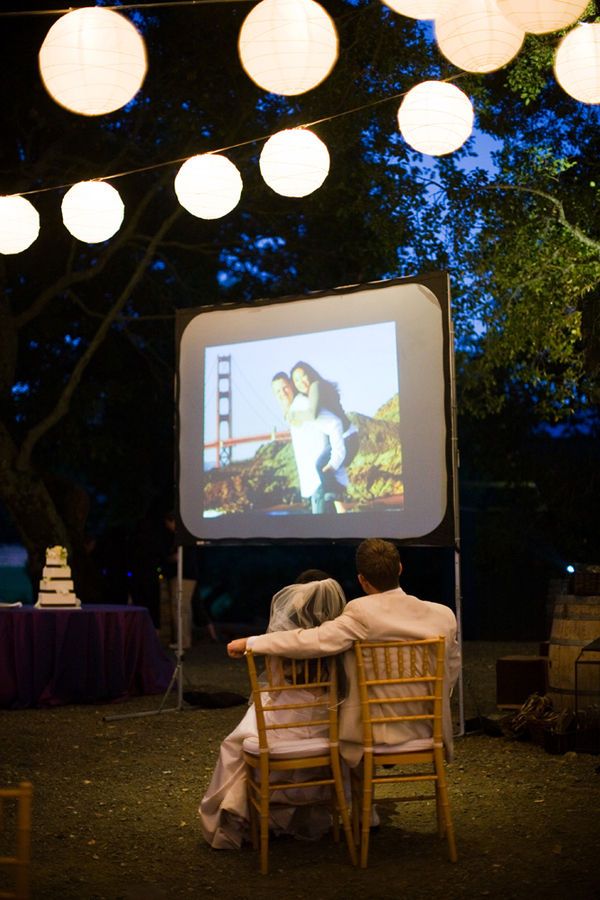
(353,438)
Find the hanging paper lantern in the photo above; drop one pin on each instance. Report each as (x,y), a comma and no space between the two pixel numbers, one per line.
(92,211)
(294,162)
(19,224)
(541,16)
(435,118)
(475,36)
(288,46)
(93,61)
(416,9)
(577,63)
(208,186)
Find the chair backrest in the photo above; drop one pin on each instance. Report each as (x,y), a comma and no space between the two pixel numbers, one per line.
(401,689)
(17,861)
(289,692)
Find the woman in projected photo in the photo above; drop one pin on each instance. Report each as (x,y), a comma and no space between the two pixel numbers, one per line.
(224,807)
(324,396)
(317,442)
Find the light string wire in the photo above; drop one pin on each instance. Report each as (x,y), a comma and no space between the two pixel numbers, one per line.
(177,3)
(162,5)
(256,140)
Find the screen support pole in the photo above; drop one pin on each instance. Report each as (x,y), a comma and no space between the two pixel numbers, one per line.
(177,676)
(458,607)
(455,462)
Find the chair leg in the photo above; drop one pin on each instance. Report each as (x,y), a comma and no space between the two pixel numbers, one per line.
(443,806)
(355,784)
(441,825)
(343,807)
(452,854)
(448,826)
(264,818)
(367,798)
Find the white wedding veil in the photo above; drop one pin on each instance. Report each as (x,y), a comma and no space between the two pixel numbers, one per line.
(306,605)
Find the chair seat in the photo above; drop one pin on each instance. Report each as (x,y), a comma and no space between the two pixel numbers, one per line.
(289,749)
(413,746)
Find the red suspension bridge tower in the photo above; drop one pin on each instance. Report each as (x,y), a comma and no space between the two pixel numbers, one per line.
(224,410)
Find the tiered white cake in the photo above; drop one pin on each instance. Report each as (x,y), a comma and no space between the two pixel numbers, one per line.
(56,586)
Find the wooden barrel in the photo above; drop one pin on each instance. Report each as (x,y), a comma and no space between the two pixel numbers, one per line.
(575,624)
(557,588)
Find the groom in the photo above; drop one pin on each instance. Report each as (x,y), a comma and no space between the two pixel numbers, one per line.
(386,613)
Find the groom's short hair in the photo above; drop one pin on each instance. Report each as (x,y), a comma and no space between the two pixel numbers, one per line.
(379,562)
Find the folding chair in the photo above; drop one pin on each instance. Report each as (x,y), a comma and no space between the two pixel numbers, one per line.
(18,862)
(291,694)
(401,692)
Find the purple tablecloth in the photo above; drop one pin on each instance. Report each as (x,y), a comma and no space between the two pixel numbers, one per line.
(88,655)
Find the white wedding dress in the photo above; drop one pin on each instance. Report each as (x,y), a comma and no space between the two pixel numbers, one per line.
(224,807)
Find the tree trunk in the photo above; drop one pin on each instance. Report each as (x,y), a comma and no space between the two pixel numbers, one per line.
(46,513)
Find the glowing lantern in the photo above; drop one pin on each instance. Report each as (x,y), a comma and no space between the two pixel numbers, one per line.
(435,118)
(475,36)
(541,16)
(92,61)
(92,211)
(208,186)
(288,46)
(416,9)
(577,63)
(19,224)
(294,162)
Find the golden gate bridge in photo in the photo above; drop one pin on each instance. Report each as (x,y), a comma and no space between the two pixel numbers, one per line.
(225,441)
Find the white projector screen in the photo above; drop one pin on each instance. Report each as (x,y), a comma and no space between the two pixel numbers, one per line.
(262,459)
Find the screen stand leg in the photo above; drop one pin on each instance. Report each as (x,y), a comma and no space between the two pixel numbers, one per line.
(177,676)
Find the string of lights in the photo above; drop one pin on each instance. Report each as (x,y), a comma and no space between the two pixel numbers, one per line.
(434,117)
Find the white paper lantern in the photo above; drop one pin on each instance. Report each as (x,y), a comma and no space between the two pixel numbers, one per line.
(288,46)
(435,118)
(93,61)
(416,9)
(208,186)
(19,224)
(541,16)
(92,211)
(577,63)
(294,162)
(475,36)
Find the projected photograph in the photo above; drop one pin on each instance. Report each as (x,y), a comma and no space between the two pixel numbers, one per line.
(294,426)
(323,417)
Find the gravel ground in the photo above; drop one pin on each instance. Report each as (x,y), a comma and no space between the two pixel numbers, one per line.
(115,807)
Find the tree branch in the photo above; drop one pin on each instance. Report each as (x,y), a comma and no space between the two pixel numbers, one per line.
(577,233)
(96,315)
(62,405)
(71,277)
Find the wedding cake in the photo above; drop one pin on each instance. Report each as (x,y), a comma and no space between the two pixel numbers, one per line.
(56,586)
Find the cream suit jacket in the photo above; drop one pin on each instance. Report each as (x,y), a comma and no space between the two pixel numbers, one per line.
(392,615)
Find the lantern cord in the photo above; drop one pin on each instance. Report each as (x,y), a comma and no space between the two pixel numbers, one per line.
(139,6)
(246,143)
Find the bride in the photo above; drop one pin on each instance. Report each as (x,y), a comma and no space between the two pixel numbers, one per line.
(224,807)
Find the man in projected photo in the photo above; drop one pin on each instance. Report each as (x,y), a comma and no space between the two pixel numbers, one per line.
(386,613)
(317,439)
(324,397)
